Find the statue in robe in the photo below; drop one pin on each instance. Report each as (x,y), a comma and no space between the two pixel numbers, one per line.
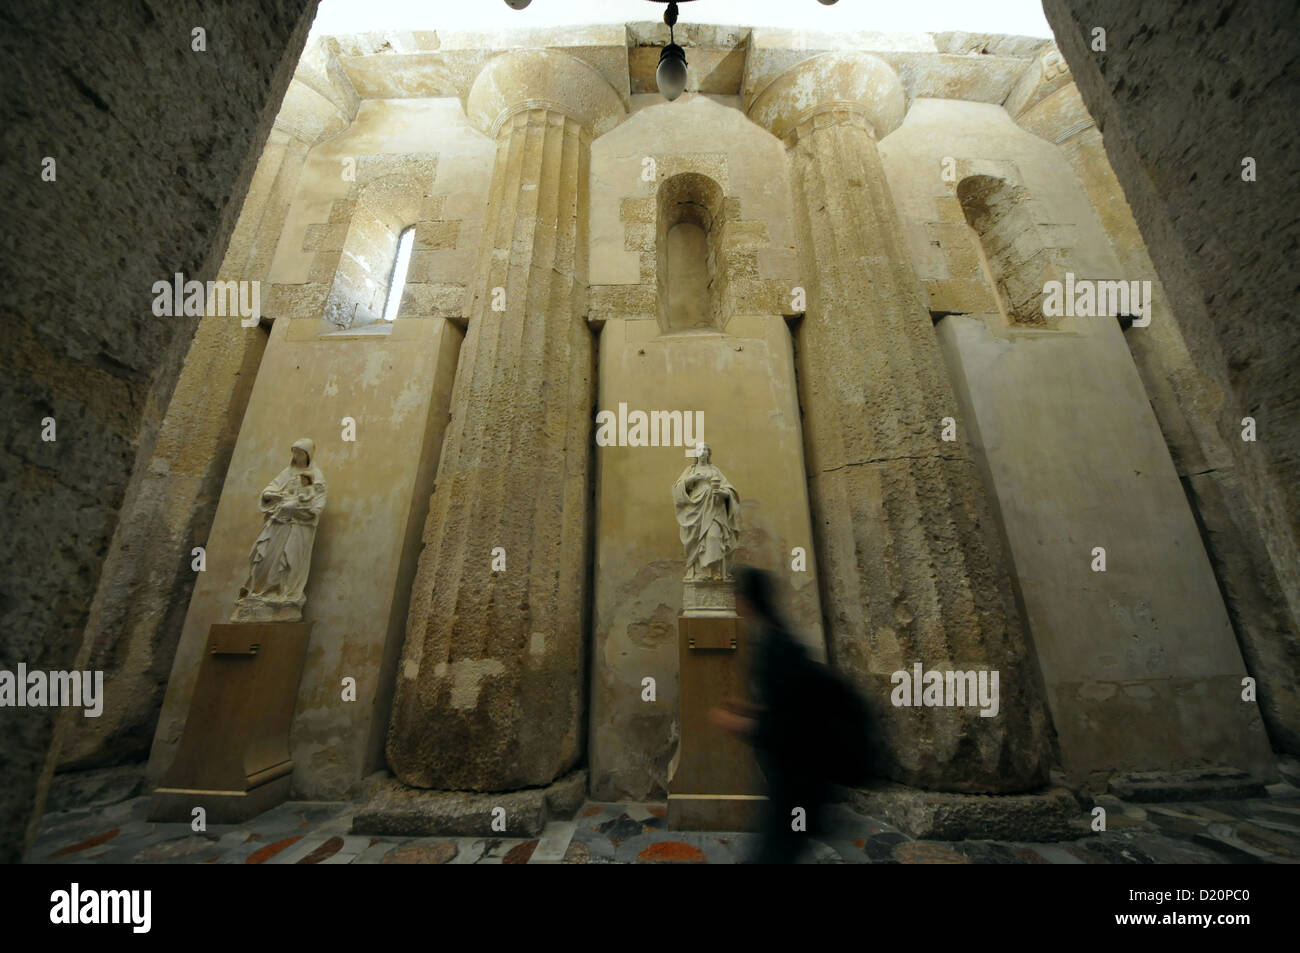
(275,590)
(708,514)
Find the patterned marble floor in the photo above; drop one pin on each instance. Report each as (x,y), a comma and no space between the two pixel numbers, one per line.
(1263,830)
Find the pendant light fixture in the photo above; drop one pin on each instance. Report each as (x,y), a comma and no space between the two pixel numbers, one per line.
(671,74)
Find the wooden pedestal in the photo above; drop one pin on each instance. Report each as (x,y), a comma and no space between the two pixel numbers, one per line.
(233,759)
(717,785)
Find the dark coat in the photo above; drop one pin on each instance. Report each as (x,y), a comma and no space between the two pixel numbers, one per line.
(782,690)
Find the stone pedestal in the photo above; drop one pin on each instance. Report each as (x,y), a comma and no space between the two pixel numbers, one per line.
(717,785)
(233,759)
(708,597)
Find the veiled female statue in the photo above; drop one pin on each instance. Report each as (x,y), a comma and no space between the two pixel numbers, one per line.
(275,590)
(708,514)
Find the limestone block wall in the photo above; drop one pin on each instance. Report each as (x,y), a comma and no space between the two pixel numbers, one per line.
(1189,403)
(743,383)
(396,387)
(413,162)
(1224,247)
(1075,460)
(706,135)
(740,377)
(325,252)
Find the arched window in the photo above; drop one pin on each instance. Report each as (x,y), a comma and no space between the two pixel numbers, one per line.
(370,270)
(405,242)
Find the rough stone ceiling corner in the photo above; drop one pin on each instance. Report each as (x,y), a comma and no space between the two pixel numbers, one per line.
(1007,17)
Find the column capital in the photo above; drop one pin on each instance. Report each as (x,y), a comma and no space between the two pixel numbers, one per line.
(854,83)
(542,79)
(1057,118)
(1045,100)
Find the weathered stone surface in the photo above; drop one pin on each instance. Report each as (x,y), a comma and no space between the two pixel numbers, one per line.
(490,692)
(1188,401)
(1204,785)
(298,184)
(394,808)
(396,387)
(1073,467)
(77,790)
(1050,815)
(911,567)
(155,145)
(1177,148)
(742,383)
(916,573)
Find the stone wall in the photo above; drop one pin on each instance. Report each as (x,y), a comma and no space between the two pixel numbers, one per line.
(740,378)
(1182,94)
(742,383)
(397,164)
(516,179)
(1075,459)
(1187,404)
(154,145)
(395,387)
(139,607)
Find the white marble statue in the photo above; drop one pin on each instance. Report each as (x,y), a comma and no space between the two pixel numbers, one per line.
(708,514)
(275,590)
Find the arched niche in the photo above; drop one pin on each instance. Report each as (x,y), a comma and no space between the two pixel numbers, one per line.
(999,213)
(689,267)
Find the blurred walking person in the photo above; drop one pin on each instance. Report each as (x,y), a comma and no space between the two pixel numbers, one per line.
(806,724)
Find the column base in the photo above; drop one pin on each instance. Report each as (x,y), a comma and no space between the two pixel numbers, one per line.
(1049,815)
(394,808)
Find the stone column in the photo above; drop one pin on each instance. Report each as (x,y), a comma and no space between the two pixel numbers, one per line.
(1193,408)
(490,690)
(912,564)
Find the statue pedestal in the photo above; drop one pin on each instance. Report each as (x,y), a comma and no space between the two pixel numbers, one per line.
(708,597)
(717,785)
(233,759)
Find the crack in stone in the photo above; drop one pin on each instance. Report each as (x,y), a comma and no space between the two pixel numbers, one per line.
(861,463)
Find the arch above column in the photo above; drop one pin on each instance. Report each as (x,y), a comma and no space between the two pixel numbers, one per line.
(857,81)
(545,79)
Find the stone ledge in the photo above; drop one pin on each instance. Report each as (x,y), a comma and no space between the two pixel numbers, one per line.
(393,808)
(1208,784)
(96,787)
(1049,815)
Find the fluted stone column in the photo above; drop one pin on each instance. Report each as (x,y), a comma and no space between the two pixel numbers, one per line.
(490,689)
(911,561)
